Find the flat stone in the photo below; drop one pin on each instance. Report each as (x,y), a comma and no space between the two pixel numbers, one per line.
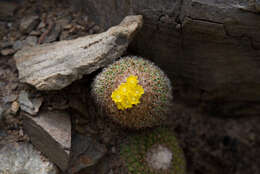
(29,105)
(56,65)
(24,158)
(86,152)
(50,132)
(53,34)
(29,23)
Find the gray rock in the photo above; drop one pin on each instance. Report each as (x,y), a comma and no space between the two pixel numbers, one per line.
(28,105)
(55,66)
(54,34)
(30,41)
(23,158)
(85,152)
(29,23)
(18,45)
(9,98)
(50,132)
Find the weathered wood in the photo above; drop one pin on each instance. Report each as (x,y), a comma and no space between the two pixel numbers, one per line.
(56,65)
(208,44)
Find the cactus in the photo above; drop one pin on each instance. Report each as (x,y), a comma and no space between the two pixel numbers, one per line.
(156,152)
(133,92)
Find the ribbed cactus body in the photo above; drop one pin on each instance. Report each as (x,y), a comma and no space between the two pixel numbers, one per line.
(155,152)
(149,108)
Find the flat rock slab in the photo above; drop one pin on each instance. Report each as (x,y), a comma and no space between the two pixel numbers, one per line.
(55,66)
(50,132)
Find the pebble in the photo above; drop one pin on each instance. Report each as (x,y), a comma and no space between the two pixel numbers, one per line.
(30,41)
(7,51)
(54,34)
(28,105)
(18,45)
(29,23)
(35,33)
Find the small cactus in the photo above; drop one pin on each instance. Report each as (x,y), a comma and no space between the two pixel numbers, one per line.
(156,152)
(133,92)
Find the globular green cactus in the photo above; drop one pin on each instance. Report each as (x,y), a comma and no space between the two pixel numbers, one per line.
(133,92)
(156,152)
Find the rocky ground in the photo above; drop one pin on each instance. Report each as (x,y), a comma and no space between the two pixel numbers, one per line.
(212,143)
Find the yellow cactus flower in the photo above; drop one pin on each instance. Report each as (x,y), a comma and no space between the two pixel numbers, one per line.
(132,80)
(116,96)
(133,99)
(123,88)
(139,90)
(127,94)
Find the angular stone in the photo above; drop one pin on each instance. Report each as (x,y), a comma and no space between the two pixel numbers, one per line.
(85,152)
(29,23)
(53,34)
(55,66)
(29,105)
(24,158)
(50,132)
(30,41)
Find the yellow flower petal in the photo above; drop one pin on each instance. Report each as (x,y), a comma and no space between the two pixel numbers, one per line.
(132,80)
(116,96)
